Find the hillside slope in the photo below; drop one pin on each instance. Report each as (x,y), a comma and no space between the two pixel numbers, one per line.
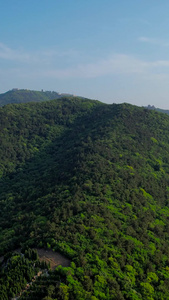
(91,181)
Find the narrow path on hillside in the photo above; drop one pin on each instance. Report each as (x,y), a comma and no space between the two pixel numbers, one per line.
(50,257)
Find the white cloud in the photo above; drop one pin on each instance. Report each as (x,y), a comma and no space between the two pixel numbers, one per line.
(19,55)
(154,41)
(117,63)
(56,53)
(46,64)
(114,65)
(146,39)
(10,54)
(160,63)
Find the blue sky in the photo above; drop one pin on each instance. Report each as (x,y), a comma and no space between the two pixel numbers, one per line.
(113,51)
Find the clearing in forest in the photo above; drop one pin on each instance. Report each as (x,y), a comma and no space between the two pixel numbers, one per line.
(54,258)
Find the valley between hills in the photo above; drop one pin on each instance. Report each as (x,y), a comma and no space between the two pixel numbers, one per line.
(89,181)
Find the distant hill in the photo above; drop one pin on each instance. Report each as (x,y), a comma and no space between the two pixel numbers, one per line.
(152,107)
(24,96)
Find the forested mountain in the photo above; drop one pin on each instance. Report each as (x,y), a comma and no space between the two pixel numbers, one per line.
(24,96)
(91,181)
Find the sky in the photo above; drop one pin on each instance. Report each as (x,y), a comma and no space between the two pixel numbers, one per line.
(113,51)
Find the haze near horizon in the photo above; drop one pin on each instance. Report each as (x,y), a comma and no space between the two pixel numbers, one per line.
(106,50)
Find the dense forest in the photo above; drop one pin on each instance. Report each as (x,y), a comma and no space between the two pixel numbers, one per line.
(91,181)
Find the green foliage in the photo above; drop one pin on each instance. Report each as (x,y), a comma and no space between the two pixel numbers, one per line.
(89,180)
(16,271)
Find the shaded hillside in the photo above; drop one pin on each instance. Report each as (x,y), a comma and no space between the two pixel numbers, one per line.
(24,96)
(91,181)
